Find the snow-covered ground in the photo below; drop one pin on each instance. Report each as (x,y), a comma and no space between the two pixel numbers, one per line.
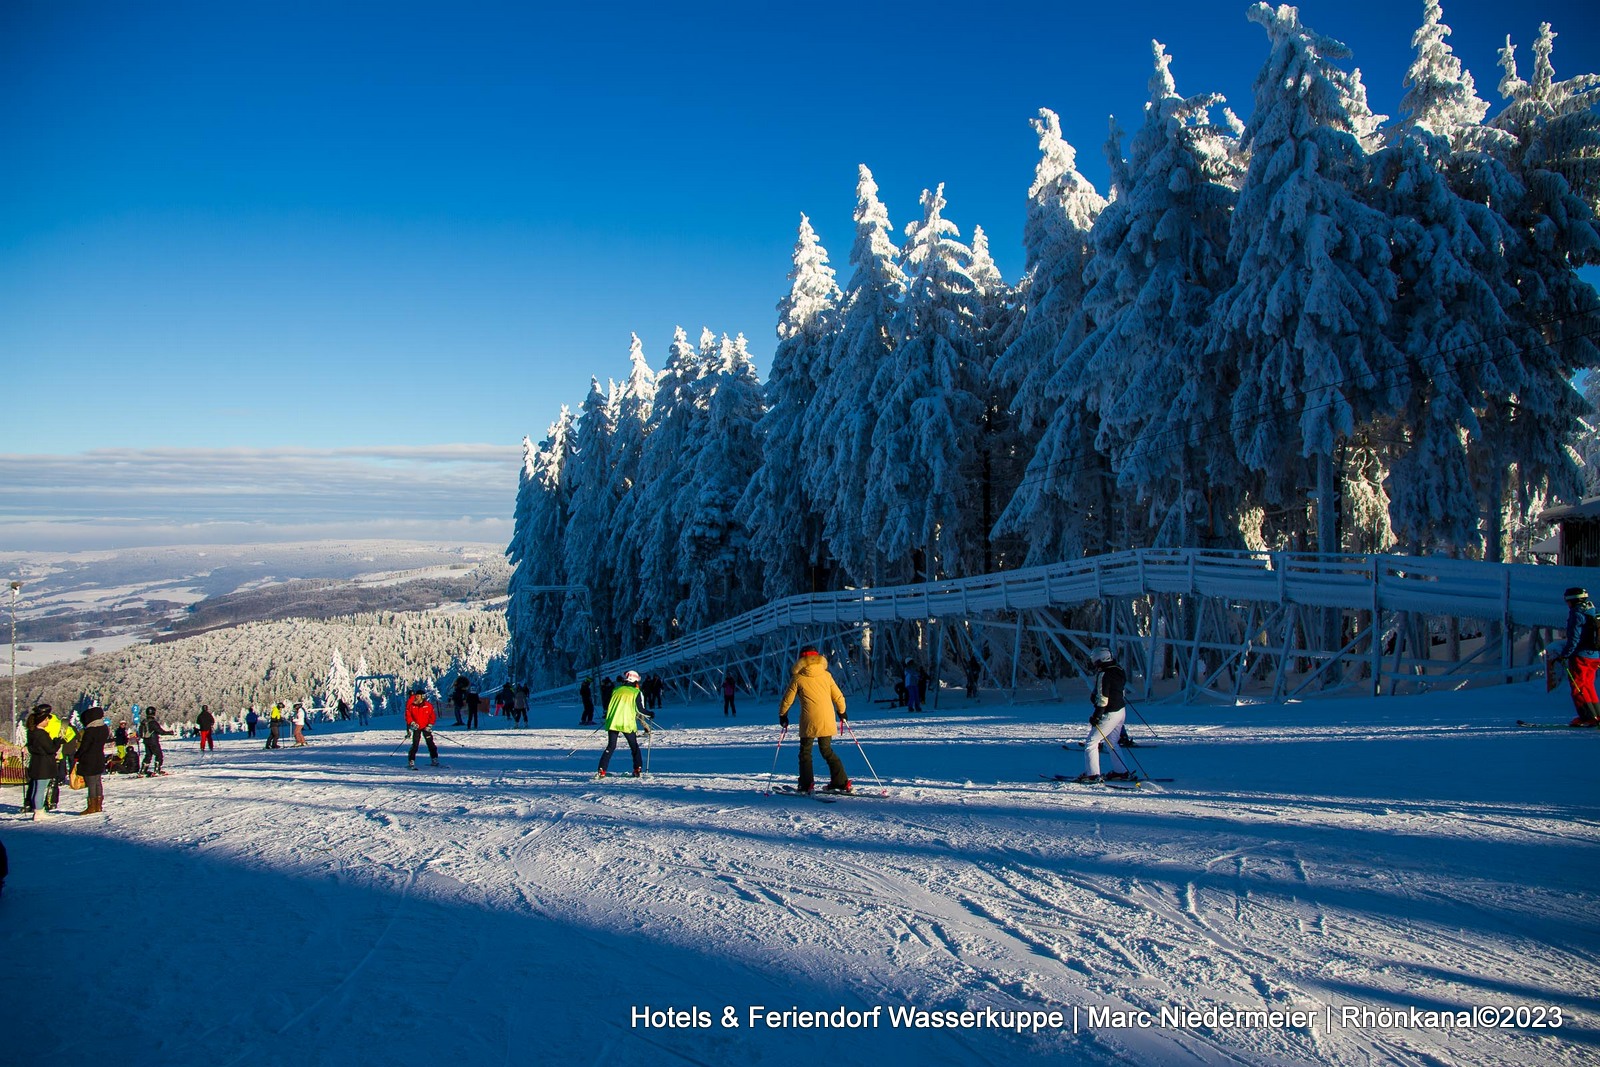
(325,905)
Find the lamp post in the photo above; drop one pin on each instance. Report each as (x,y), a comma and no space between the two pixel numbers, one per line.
(16,587)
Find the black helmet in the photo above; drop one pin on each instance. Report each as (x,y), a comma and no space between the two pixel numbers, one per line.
(1577,592)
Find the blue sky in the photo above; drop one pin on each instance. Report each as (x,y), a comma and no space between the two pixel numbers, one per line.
(363,225)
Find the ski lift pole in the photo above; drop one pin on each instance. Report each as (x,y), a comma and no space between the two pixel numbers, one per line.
(775,751)
(851,731)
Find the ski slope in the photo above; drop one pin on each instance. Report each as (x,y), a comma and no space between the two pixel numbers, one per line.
(325,905)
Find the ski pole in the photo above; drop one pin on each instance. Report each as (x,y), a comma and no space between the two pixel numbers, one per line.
(774,770)
(1109,747)
(1146,722)
(851,731)
(586,737)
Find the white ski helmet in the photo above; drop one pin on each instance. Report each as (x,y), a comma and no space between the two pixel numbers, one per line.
(1102,655)
(630,676)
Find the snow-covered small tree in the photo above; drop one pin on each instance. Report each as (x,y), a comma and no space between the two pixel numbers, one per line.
(338,687)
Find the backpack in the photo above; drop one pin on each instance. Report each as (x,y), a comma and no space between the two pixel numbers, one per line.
(1589,637)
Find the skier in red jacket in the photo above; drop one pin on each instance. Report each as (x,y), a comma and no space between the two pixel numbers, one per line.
(419,724)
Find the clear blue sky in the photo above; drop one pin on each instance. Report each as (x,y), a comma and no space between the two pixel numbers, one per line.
(345,225)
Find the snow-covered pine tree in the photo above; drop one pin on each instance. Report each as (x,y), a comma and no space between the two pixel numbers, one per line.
(533,615)
(1002,453)
(925,458)
(840,421)
(1449,323)
(1160,260)
(338,686)
(1308,311)
(634,404)
(785,525)
(653,528)
(1552,153)
(587,632)
(1058,509)
(714,545)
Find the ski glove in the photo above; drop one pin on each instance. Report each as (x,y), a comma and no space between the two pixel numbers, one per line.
(783,721)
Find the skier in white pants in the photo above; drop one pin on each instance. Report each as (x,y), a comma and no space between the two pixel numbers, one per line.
(1105,723)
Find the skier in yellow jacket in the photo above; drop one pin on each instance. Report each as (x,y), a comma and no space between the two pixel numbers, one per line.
(820,701)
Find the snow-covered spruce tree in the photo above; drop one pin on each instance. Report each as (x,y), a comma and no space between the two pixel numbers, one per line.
(587,634)
(925,445)
(1001,447)
(1159,263)
(839,423)
(1449,320)
(634,404)
(1308,311)
(533,614)
(718,570)
(1059,509)
(339,685)
(1552,154)
(653,527)
(785,524)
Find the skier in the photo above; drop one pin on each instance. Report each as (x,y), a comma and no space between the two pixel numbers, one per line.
(92,758)
(274,723)
(473,700)
(150,732)
(1582,653)
(913,688)
(586,694)
(727,696)
(419,724)
(458,697)
(622,717)
(820,702)
(206,722)
(299,721)
(607,686)
(1105,722)
(41,762)
(250,720)
(519,704)
(506,702)
(127,758)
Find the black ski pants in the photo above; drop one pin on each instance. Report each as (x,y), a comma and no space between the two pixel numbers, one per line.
(611,746)
(417,737)
(836,775)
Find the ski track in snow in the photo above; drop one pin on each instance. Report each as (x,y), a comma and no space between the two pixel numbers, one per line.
(327,905)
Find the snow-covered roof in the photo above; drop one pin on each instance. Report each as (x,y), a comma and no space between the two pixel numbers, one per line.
(1588,508)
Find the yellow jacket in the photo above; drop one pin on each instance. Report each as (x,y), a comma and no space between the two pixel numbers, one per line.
(819,696)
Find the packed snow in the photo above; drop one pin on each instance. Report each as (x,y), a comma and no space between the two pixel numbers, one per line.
(1401,859)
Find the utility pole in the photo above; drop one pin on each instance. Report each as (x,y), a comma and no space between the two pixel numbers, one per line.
(16,587)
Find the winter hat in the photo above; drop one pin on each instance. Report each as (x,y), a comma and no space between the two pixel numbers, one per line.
(809,650)
(1577,592)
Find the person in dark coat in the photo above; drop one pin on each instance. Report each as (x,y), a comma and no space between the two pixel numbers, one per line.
(473,700)
(151,731)
(41,761)
(92,758)
(206,723)
(250,720)
(586,694)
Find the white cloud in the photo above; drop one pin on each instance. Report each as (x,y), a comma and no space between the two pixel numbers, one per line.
(115,498)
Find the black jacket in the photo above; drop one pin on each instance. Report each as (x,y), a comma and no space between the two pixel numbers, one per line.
(41,755)
(205,720)
(92,752)
(1108,694)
